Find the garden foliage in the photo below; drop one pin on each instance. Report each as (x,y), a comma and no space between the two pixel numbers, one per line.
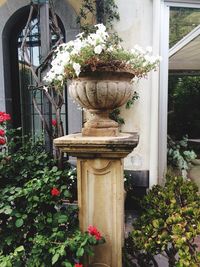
(179,156)
(36,228)
(169,223)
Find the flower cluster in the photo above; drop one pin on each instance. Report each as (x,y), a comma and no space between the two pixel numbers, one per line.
(97,52)
(4,117)
(55,192)
(93,231)
(54,122)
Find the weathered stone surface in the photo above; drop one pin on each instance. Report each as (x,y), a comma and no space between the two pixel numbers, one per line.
(100,95)
(101,189)
(92,147)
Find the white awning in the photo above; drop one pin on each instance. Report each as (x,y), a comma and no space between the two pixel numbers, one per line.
(185,55)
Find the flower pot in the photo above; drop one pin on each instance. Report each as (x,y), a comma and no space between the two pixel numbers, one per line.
(100,93)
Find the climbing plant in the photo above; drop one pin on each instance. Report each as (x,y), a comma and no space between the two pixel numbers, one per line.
(97,11)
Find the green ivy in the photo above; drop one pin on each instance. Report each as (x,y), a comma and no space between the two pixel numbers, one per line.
(101,11)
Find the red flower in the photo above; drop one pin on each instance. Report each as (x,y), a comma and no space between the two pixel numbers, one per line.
(78,265)
(54,122)
(93,231)
(2,132)
(55,192)
(2,141)
(4,117)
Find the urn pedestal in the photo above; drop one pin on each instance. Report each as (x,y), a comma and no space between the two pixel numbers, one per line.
(101,189)
(100,93)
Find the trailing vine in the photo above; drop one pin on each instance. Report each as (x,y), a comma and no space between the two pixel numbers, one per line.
(115,114)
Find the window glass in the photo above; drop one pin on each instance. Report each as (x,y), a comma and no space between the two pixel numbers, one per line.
(30,119)
(184,76)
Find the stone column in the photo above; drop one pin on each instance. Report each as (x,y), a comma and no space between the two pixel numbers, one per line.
(101,189)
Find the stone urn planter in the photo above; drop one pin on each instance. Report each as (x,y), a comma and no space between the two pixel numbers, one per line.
(100,92)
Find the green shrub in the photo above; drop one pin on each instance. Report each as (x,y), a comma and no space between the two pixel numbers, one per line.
(179,156)
(36,229)
(169,223)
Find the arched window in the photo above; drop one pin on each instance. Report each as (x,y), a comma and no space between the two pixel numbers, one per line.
(18,75)
(31,56)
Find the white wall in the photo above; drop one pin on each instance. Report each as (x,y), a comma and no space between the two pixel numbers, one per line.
(139,24)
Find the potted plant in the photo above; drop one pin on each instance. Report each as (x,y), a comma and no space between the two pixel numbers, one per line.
(101,72)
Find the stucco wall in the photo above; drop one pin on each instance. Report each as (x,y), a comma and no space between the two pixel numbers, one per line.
(135,27)
(138,20)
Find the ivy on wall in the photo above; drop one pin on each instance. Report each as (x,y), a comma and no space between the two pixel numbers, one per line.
(99,11)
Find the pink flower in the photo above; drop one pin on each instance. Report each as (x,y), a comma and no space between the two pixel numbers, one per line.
(78,265)
(55,192)
(2,132)
(2,141)
(54,122)
(4,117)
(93,231)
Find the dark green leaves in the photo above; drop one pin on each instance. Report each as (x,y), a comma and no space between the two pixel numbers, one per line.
(19,222)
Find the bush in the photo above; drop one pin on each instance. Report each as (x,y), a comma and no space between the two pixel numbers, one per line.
(36,228)
(179,156)
(169,223)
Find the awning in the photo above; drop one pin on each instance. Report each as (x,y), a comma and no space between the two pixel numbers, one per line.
(185,55)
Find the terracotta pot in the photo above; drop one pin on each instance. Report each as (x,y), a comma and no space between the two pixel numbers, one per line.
(100,93)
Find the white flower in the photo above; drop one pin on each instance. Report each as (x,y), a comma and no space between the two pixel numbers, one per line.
(64,64)
(149,49)
(77,68)
(133,51)
(58,69)
(139,49)
(80,35)
(110,48)
(45,88)
(59,77)
(100,27)
(98,49)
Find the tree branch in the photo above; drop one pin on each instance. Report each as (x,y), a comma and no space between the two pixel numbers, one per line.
(41,117)
(27,25)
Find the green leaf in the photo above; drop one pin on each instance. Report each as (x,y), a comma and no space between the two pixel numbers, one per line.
(55,258)
(31,158)
(19,249)
(19,222)
(54,169)
(80,252)
(62,218)
(7,210)
(155,223)
(66,264)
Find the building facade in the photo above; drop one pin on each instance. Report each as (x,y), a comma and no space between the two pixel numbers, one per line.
(146,23)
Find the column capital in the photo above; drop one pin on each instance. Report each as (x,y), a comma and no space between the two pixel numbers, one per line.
(101,147)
